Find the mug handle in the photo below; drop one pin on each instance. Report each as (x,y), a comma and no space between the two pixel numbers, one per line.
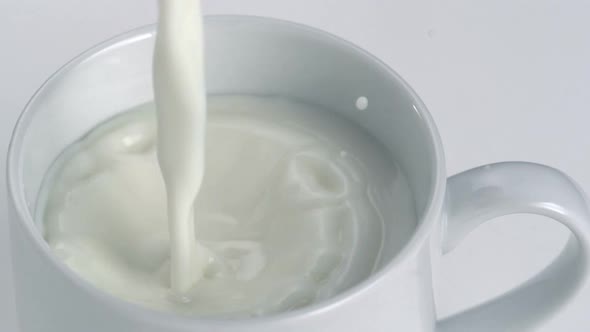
(487,192)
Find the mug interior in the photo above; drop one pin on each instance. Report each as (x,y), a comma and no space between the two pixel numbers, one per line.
(244,56)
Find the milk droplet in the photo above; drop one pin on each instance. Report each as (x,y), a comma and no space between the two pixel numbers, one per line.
(362,103)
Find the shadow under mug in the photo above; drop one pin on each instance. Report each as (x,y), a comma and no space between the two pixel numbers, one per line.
(260,56)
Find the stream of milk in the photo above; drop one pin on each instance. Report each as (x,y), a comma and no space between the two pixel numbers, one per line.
(180,96)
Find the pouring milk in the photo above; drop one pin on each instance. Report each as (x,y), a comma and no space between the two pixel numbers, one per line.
(181,105)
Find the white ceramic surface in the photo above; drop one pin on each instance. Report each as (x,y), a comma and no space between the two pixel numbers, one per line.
(489,88)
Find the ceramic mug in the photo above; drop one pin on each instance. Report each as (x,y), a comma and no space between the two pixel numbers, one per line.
(263,56)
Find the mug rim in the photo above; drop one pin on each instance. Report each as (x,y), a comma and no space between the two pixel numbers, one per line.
(426,223)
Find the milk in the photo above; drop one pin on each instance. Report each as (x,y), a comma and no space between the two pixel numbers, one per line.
(180,96)
(291,209)
(242,206)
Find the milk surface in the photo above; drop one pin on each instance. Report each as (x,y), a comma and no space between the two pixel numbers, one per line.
(291,210)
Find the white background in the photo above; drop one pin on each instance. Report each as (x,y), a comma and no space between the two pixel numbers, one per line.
(504,79)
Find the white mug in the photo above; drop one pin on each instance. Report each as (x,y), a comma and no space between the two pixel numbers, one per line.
(263,56)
